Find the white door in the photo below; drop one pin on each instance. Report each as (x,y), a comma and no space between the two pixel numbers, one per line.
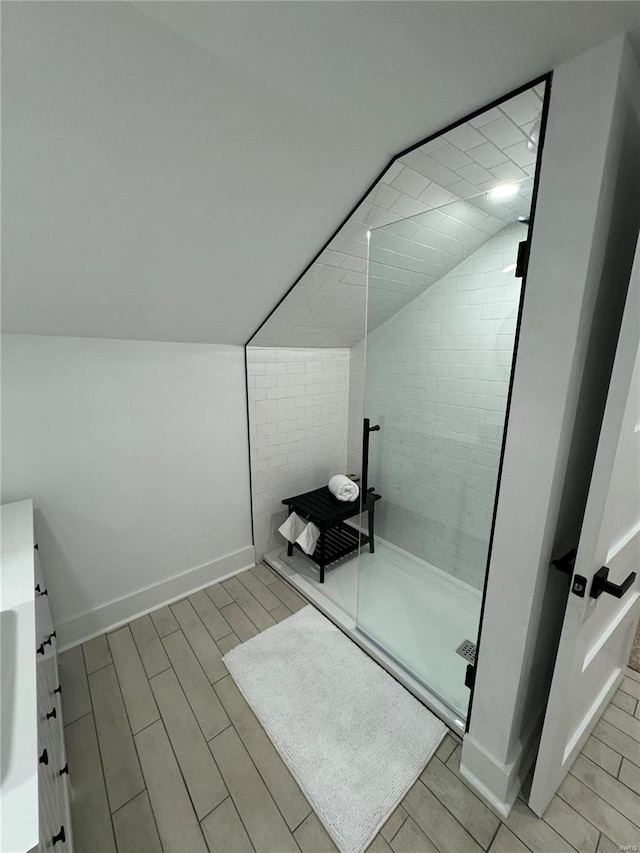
(598,629)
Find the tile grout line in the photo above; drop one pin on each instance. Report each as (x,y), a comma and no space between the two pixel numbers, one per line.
(184,782)
(622,709)
(268,612)
(220,732)
(189,703)
(235,808)
(193,649)
(566,802)
(490,845)
(219,609)
(175,630)
(619,754)
(231,725)
(130,800)
(596,794)
(613,777)
(404,820)
(267,788)
(259,630)
(104,778)
(444,805)
(82,716)
(135,746)
(266,588)
(159,638)
(626,692)
(613,725)
(622,782)
(264,782)
(293,831)
(586,819)
(100,668)
(131,732)
(115,669)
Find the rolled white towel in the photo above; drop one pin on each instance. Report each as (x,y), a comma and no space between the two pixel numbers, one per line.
(343,488)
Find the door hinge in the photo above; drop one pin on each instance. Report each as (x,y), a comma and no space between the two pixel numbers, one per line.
(470,676)
(522,259)
(566,563)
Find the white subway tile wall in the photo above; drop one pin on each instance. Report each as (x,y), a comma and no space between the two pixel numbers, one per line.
(298,418)
(436,381)
(471,159)
(356,408)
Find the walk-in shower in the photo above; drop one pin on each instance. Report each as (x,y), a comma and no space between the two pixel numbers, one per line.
(436,382)
(408,319)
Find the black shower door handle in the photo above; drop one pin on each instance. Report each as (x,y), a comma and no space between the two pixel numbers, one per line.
(364,477)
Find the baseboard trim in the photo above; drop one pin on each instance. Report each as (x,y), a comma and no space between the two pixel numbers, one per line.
(112,615)
(501,783)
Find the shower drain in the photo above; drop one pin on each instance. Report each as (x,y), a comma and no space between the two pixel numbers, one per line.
(467,650)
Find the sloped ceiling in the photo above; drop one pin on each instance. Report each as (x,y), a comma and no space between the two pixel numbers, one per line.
(169,168)
(328,307)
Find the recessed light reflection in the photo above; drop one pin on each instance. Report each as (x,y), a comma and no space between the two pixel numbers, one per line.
(503,191)
(510,268)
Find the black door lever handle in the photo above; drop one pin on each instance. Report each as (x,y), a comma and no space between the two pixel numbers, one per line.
(600,584)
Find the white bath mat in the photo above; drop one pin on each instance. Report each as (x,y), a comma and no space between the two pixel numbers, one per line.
(354,739)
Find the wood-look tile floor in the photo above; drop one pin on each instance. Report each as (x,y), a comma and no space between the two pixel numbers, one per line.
(166,755)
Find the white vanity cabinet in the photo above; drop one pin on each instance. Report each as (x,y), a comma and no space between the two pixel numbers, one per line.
(53,770)
(35,777)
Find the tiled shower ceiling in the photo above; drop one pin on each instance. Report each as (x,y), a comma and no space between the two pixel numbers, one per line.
(327,306)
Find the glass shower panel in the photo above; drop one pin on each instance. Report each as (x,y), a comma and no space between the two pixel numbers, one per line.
(442,305)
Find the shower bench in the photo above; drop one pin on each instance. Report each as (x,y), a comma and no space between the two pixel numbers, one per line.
(336,539)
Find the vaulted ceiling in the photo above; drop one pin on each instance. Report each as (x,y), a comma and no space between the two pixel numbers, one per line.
(437,195)
(169,168)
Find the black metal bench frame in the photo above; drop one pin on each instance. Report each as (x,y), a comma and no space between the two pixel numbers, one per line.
(337,539)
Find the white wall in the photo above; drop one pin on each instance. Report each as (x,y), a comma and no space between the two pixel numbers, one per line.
(436,381)
(135,454)
(298,413)
(583,240)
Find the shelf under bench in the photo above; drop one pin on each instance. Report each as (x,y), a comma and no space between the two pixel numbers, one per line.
(337,539)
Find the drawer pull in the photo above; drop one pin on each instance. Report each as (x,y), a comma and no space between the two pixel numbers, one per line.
(60,836)
(44,758)
(58,689)
(52,713)
(41,591)
(40,649)
(64,770)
